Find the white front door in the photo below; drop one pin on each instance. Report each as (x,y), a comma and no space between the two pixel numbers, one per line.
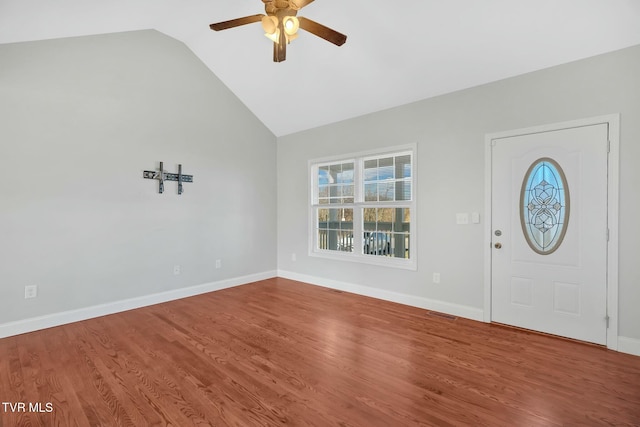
(549,232)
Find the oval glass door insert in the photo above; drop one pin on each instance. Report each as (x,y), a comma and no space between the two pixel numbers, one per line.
(544,206)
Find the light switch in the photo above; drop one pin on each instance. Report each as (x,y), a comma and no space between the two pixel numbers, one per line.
(475,217)
(462,218)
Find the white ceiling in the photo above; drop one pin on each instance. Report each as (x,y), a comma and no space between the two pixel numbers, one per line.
(396,51)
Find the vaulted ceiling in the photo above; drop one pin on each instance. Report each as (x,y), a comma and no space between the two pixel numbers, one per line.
(396,52)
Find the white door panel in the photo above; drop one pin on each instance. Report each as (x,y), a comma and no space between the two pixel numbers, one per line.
(562,292)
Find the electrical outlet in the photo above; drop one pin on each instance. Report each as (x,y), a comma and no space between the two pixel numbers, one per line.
(436,277)
(218,263)
(176,270)
(293,257)
(30,291)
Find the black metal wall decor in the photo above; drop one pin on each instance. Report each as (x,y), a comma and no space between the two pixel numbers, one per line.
(163,176)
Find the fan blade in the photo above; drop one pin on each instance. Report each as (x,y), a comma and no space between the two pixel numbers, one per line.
(299,4)
(323,32)
(236,22)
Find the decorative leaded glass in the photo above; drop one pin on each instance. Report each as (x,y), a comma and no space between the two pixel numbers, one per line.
(544,206)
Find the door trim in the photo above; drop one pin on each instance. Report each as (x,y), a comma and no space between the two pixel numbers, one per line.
(613,189)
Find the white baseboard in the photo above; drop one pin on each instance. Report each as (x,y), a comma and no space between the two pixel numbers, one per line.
(629,345)
(625,344)
(57,319)
(414,301)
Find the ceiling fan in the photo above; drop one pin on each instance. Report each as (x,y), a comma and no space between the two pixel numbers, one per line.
(281,25)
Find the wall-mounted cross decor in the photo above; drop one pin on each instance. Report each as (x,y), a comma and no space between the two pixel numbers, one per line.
(163,176)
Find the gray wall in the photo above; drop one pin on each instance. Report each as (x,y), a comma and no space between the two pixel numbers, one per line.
(450,132)
(80,119)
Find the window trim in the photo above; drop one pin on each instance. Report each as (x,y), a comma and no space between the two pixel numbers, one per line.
(358,206)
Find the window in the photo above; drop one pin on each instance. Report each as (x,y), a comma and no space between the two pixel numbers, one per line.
(544,206)
(363,208)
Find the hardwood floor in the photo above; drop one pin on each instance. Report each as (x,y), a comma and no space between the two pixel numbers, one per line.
(279,352)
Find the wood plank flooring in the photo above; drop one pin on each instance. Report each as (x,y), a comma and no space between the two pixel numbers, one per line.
(280,352)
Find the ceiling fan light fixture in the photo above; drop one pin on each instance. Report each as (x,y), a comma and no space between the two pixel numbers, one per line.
(292,37)
(281,25)
(291,25)
(269,24)
(274,37)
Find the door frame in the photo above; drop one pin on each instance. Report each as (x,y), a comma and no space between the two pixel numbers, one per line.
(613,189)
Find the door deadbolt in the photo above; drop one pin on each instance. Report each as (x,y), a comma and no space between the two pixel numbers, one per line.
(497,245)
(498,233)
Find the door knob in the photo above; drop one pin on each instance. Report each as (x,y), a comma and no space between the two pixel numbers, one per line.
(497,245)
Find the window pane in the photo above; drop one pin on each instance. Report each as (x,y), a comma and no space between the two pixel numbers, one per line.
(336,183)
(369,217)
(386,232)
(386,191)
(323,175)
(385,218)
(376,243)
(393,175)
(334,171)
(407,217)
(323,217)
(335,229)
(370,170)
(346,176)
(400,245)
(403,166)
(347,194)
(339,240)
(403,190)
(385,169)
(336,193)
(371,192)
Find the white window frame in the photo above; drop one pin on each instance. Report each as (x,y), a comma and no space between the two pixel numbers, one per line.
(358,206)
